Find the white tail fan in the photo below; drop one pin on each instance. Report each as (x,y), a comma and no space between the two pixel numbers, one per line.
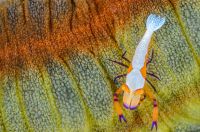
(154,22)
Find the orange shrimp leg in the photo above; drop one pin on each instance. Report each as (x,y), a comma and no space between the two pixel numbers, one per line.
(117,106)
(155,107)
(151,85)
(155,115)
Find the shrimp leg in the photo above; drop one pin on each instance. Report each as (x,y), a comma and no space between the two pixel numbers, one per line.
(119,63)
(123,57)
(151,58)
(119,76)
(117,106)
(155,107)
(153,75)
(151,85)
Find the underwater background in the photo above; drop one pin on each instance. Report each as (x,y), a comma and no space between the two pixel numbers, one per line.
(55,73)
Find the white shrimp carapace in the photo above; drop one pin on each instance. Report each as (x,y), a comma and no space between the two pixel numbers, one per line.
(134,79)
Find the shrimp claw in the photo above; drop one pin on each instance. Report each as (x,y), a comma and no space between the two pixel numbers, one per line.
(122,118)
(154,124)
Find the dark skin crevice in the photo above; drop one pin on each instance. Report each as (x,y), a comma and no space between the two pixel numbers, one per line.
(23,11)
(111,35)
(90,24)
(88,113)
(5,28)
(96,7)
(22,102)
(73,4)
(50,19)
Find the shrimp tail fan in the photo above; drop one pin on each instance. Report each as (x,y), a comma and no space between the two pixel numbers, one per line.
(154,22)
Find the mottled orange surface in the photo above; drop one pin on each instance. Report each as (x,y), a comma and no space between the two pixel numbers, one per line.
(88,25)
(55,73)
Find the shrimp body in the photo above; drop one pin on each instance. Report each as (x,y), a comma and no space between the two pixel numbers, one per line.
(135,80)
(141,51)
(135,85)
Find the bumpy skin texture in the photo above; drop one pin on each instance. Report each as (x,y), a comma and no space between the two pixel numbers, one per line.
(54,68)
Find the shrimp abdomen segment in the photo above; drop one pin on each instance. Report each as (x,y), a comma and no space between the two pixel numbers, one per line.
(135,80)
(153,23)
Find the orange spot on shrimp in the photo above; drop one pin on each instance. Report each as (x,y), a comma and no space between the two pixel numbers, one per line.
(130,69)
